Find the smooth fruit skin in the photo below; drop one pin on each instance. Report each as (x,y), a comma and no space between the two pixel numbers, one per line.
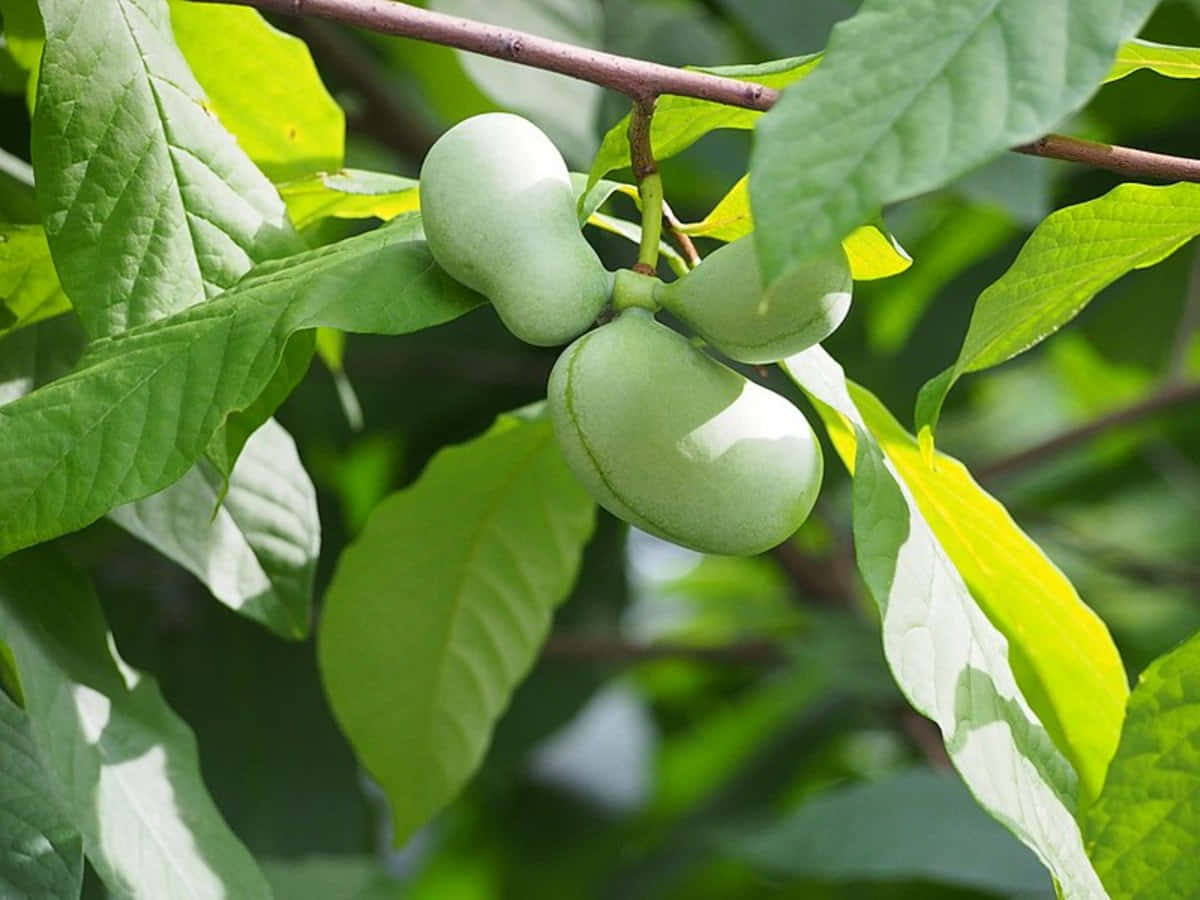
(499,216)
(670,440)
(723,299)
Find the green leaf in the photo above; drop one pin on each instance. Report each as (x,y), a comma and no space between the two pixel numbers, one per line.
(681,121)
(565,108)
(143,405)
(948,658)
(873,251)
(264,88)
(149,204)
(915,826)
(41,852)
(258,551)
(17,201)
(29,288)
(125,763)
(349,194)
(36,355)
(1069,258)
(1165,59)
(1143,832)
(911,95)
(438,609)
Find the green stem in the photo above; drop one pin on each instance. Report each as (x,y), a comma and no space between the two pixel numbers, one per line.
(651,192)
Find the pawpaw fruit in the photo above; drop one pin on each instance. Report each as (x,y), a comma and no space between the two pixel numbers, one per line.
(499,217)
(676,443)
(725,302)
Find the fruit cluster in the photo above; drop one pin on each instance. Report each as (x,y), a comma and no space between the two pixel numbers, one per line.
(659,432)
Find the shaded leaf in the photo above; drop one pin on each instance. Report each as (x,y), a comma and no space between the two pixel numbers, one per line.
(38,354)
(41,852)
(1165,59)
(681,121)
(85,444)
(256,548)
(948,659)
(1067,260)
(872,250)
(915,826)
(149,204)
(1143,832)
(125,763)
(349,194)
(910,96)
(29,288)
(263,86)
(438,609)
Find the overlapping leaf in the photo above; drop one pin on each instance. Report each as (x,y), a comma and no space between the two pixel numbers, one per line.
(263,86)
(149,204)
(142,406)
(911,95)
(29,288)
(948,659)
(1143,832)
(349,194)
(253,544)
(681,121)
(438,609)
(125,764)
(1070,257)
(1165,59)
(41,852)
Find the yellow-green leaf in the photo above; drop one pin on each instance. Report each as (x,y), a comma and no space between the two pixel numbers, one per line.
(1169,60)
(349,194)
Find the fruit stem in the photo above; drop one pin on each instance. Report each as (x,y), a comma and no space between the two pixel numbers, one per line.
(633,288)
(651,192)
(649,181)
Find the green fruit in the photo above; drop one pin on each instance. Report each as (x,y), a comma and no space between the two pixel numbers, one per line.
(499,216)
(674,442)
(724,301)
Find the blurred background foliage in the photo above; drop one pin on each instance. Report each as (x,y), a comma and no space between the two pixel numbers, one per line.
(697,727)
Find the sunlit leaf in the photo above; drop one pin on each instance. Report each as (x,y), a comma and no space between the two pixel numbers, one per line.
(85,444)
(349,194)
(149,204)
(1143,832)
(1070,257)
(947,657)
(41,852)
(29,288)
(1165,59)
(125,764)
(439,607)
(911,95)
(262,84)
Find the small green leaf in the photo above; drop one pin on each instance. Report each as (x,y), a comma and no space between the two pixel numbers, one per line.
(349,194)
(258,551)
(948,658)
(872,250)
(143,405)
(29,288)
(41,852)
(263,87)
(149,204)
(125,764)
(911,95)
(1166,59)
(915,826)
(438,609)
(1143,832)
(681,121)
(1069,258)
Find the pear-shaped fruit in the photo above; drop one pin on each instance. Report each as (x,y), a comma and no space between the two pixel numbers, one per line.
(672,441)
(499,216)
(724,300)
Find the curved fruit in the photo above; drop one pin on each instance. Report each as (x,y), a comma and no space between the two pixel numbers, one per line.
(724,301)
(499,216)
(672,441)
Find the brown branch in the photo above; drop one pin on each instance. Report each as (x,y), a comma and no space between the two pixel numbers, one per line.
(1126,160)
(686,247)
(639,79)
(1167,397)
(617,650)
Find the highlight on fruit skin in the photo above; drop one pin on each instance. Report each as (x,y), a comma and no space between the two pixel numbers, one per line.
(724,301)
(672,441)
(499,217)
